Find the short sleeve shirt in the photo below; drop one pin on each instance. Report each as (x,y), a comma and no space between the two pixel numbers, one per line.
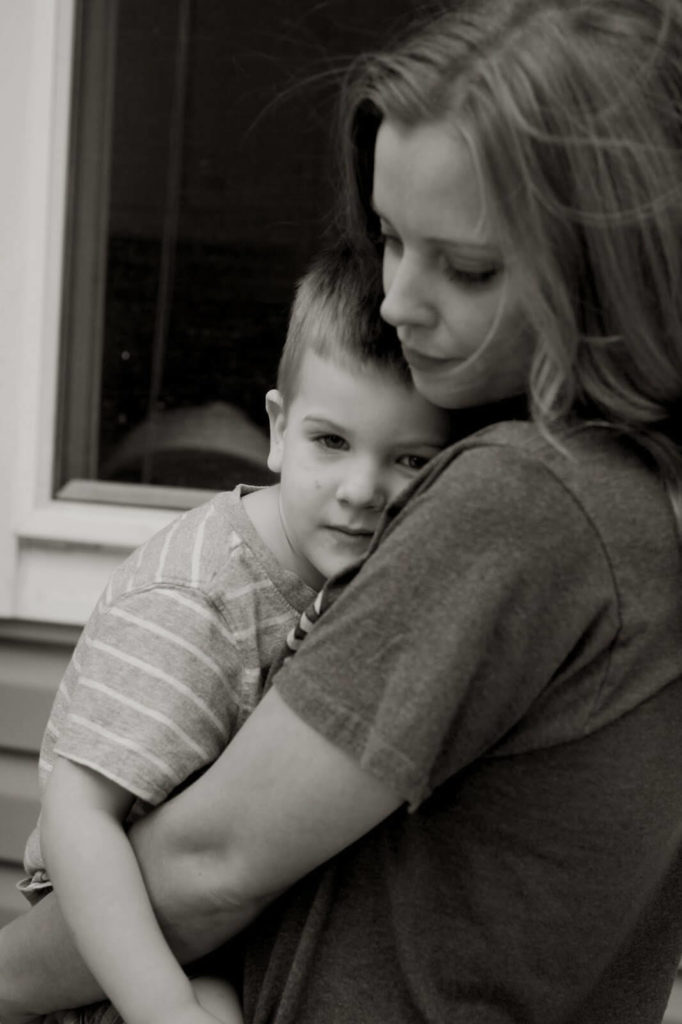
(508,659)
(174,657)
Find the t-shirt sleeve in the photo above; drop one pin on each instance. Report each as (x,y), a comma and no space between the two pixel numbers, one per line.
(476,596)
(151,690)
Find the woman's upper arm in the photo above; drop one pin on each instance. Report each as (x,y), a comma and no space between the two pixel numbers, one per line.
(280,800)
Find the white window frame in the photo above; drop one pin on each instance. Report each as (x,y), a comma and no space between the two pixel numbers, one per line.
(55,555)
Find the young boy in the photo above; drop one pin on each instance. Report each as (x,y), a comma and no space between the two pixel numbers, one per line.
(175,655)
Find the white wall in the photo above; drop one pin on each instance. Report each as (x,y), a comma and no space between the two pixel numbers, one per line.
(54,556)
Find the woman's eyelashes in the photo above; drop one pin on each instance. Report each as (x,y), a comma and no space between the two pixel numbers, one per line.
(470,277)
(390,244)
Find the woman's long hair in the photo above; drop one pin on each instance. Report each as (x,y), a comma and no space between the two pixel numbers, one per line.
(575,112)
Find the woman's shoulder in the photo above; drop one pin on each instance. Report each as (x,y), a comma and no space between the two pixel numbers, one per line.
(512,473)
(590,462)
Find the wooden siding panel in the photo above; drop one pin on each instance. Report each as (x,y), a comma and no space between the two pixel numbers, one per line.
(23,713)
(29,676)
(19,804)
(12,903)
(33,657)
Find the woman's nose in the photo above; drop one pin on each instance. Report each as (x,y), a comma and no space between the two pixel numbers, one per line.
(406,299)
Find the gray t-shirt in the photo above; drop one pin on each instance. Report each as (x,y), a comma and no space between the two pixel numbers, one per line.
(509,659)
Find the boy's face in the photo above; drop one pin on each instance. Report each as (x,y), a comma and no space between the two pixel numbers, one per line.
(345,446)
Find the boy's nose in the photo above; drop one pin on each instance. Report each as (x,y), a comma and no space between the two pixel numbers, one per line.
(362,486)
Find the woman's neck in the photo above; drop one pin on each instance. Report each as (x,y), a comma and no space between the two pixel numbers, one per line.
(468,421)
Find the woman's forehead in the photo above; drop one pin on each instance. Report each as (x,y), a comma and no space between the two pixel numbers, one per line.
(426,177)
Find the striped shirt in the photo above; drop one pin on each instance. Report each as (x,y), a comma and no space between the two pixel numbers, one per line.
(173,659)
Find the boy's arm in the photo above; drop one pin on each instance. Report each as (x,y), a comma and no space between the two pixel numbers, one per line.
(278,801)
(105,904)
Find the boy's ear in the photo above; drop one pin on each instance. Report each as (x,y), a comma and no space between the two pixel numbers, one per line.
(274,405)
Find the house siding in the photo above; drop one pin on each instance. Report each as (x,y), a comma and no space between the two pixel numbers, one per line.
(33,658)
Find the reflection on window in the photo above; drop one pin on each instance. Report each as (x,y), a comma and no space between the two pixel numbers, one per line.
(201,183)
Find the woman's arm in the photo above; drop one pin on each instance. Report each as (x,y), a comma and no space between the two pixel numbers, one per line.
(40,967)
(105,904)
(280,800)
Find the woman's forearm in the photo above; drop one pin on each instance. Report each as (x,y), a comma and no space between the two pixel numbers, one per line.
(214,856)
(40,968)
(186,882)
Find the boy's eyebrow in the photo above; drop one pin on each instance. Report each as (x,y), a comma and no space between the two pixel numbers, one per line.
(321,419)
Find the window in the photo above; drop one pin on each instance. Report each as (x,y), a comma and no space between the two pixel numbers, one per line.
(200,184)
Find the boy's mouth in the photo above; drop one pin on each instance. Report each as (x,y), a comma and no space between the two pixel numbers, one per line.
(354,532)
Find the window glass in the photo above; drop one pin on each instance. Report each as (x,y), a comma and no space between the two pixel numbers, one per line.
(202,176)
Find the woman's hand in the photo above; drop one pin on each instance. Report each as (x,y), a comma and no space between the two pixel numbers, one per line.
(10,1015)
(213,856)
(11,1011)
(40,968)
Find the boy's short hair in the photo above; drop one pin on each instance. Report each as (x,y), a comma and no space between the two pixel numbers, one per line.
(335,314)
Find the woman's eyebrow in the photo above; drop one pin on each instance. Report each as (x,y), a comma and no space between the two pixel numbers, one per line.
(490,250)
(462,247)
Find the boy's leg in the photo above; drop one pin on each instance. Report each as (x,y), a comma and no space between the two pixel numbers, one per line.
(219,998)
(214,994)
(96,1013)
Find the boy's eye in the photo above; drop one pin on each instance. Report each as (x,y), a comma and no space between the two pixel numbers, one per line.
(414,462)
(334,442)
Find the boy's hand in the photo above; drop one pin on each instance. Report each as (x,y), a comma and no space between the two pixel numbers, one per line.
(219,998)
(190,1014)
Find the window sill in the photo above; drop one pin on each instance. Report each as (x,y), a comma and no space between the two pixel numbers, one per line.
(67,550)
(89,525)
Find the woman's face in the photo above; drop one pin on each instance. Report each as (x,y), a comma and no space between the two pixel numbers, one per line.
(449,289)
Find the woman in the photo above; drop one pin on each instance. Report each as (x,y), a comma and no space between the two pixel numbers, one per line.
(474,759)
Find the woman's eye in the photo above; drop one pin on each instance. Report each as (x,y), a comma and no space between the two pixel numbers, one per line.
(471,278)
(333,442)
(389,241)
(415,462)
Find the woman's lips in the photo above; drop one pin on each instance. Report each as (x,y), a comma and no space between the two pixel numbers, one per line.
(423,363)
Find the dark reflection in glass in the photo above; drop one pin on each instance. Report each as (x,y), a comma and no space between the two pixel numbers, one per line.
(201,185)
